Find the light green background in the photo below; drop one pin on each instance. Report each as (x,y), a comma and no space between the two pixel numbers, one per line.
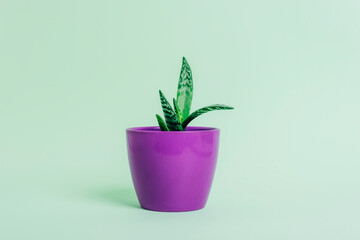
(74,74)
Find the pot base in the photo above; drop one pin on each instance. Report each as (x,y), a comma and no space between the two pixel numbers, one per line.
(173,210)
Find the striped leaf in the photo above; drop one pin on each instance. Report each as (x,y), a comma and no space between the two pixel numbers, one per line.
(161,123)
(171,119)
(202,111)
(185,89)
(177,110)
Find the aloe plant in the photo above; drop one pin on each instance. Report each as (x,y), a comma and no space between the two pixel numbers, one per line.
(177,119)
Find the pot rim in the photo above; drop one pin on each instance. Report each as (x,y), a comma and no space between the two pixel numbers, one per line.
(156,129)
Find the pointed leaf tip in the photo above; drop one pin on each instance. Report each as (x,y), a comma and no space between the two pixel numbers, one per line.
(171,118)
(203,110)
(185,89)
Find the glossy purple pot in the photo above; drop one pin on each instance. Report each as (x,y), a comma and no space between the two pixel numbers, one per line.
(172,171)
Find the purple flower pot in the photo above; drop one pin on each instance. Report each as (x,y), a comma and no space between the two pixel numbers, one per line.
(172,171)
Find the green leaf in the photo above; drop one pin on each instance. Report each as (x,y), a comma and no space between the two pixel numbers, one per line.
(177,110)
(172,120)
(161,123)
(202,111)
(185,89)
